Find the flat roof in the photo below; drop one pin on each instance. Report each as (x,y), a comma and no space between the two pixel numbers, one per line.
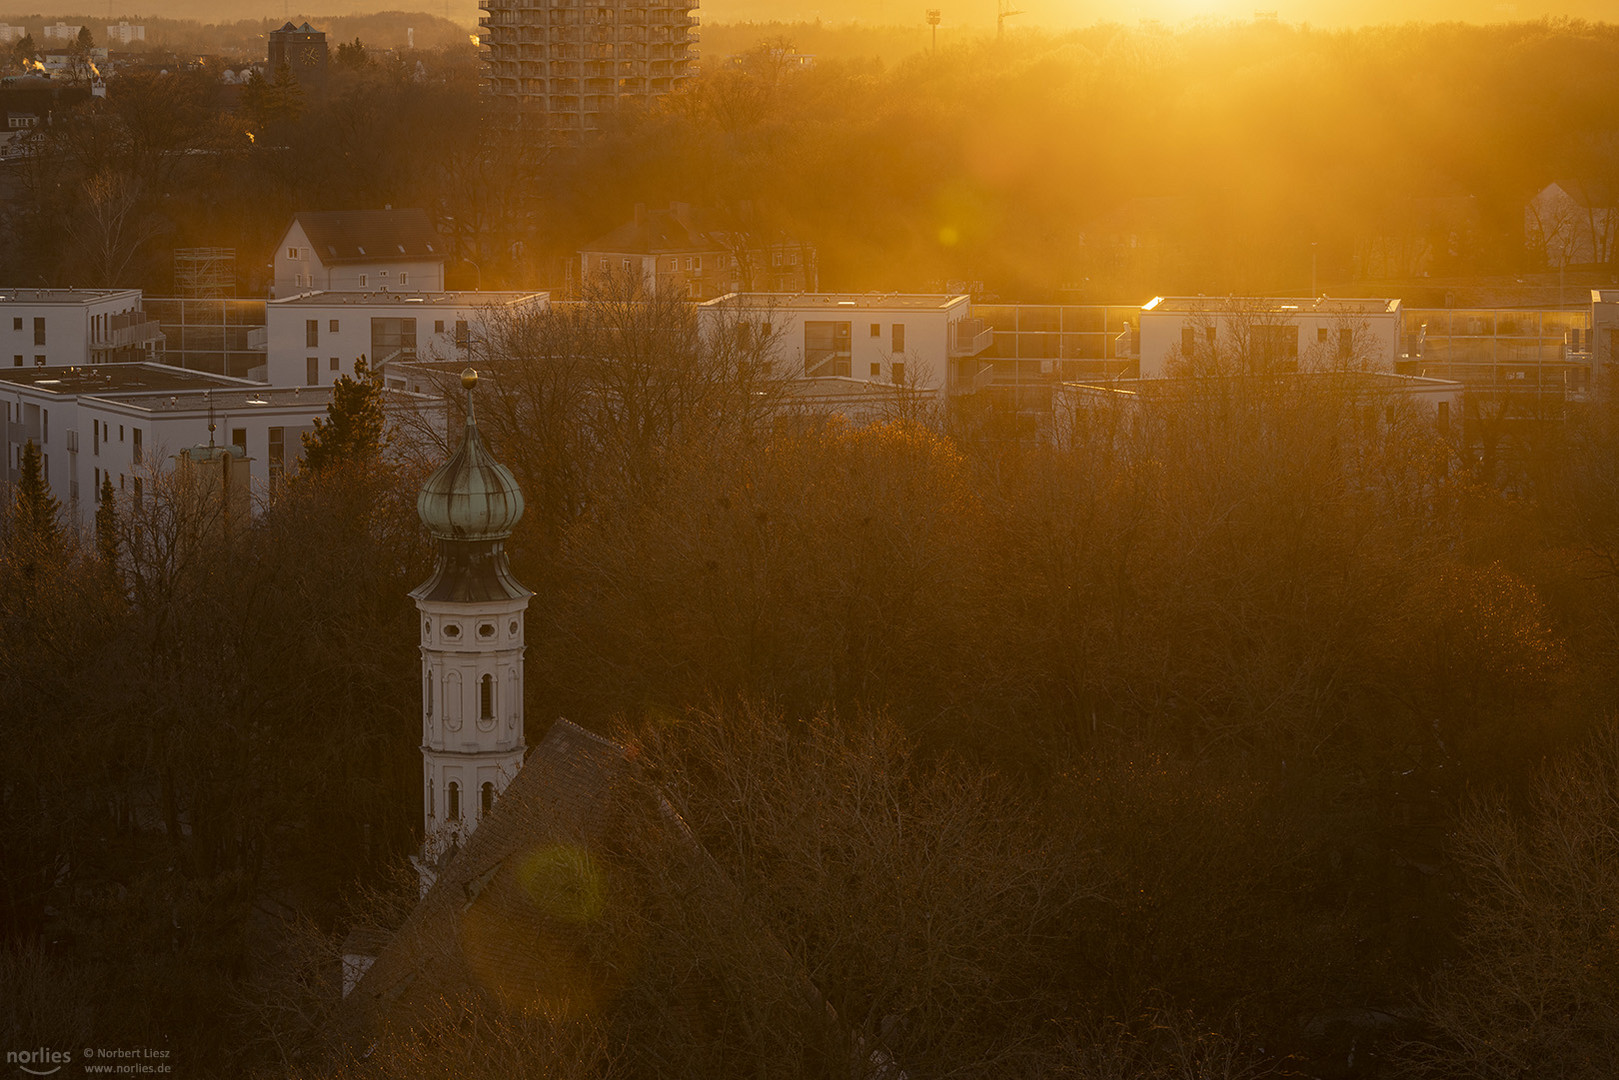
(1279,305)
(375,298)
(116,378)
(873,301)
(239,400)
(62,296)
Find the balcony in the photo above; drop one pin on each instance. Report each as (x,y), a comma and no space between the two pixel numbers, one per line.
(258,339)
(970,337)
(972,376)
(129,330)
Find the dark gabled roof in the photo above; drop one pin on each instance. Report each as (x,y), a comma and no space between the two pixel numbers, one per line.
(339,236)
(656,232)
(558,806)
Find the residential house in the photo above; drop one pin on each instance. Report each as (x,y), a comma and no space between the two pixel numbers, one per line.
(61,327)
(360,251)
(1572,223)
(701,252)
(1187,335)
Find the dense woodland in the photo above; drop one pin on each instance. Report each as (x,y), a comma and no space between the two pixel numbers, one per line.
(1259,734)
(1109,164)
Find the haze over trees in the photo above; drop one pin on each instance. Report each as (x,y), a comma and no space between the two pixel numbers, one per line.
(1252,733)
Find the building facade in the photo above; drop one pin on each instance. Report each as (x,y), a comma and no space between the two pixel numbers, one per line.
(1223,335)
(123,33)
(359,251)
(701,253)
(302,49)
(572,66)
(64,327)
(918,341)
(314,339)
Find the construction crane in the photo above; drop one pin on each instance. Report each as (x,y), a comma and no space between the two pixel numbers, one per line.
(1004,11)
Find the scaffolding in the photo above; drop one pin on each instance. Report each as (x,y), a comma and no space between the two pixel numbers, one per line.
(205,272)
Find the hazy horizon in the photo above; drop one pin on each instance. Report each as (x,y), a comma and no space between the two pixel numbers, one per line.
(977,14)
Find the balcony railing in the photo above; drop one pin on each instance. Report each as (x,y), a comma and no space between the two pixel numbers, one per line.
(128,330)
(970,337)
(970,381)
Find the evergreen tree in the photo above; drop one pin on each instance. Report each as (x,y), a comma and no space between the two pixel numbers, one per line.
(107,528)
(26,49)
(353,55)
(353,428)
(34,514)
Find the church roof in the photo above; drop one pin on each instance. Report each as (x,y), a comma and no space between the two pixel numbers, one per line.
(344,236)
(482,924)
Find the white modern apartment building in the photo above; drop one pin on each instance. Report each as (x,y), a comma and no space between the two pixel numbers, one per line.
(61,32)
(1195,335)
(64,327)
(314,338)
(124,33)
(126,423)
(360,251)
(922,341)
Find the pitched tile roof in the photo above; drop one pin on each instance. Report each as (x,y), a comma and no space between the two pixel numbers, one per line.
(486,921)
(340,236)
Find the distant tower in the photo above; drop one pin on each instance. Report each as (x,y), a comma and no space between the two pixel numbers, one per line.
(472,644)
(302,49)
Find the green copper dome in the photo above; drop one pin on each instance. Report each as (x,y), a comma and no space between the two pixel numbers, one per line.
(470,496)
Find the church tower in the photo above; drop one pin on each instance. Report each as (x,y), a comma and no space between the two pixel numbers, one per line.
(472,643)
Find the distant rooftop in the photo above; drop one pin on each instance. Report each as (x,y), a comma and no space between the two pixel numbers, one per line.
(873,300)
(464,298)
(117,379)
(62,296)
(225,399)
(339,236)
(1277,305)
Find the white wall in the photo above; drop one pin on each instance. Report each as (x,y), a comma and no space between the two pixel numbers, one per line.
(287,329)
(70,324)
(1376,335)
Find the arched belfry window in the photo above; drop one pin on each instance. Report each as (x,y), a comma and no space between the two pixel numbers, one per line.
(486,799)
(486,698)
(452,801)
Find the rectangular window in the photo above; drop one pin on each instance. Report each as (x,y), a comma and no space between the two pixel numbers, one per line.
(876,329)
(392,339)
(1188,340)
(438,326)
(39,331)
(95,439)
(362,281)
(278,455)
(16,324)
(462,337)
(1321,334)
(697,264)
(39,360)
(827,348)
(292,253)
(1346,343)
(238,439)
(16,361)
(135,439)
(311,332)
(898,369)
(876,369)
(1444,416)
(120,433)
(626,266)
(383,274)
(688,262)
(312,370)
(899,338)
(331,327)
(45,426)
(403,277)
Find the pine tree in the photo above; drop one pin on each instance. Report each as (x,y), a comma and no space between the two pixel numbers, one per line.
(34,514)
(353,428)
(107,528)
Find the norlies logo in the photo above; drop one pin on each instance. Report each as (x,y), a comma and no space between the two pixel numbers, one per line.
(41,1062)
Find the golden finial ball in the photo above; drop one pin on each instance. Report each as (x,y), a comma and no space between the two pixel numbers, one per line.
(469,378)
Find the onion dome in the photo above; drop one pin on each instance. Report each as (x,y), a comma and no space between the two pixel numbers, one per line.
(471,496)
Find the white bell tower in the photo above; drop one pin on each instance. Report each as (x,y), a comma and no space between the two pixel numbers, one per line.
(472,644)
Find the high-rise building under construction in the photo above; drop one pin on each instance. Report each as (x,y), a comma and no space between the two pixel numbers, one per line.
(577,61)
